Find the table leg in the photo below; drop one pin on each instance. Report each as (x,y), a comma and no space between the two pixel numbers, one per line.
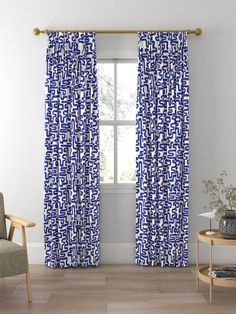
(211,280)
(197,265)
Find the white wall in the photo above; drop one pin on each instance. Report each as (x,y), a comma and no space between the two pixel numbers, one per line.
(22,68)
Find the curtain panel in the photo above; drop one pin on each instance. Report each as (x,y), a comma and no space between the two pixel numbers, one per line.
(162,147)
(71,185)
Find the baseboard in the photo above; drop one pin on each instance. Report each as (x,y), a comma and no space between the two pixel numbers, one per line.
(117,253)
(35,253)
(123,253)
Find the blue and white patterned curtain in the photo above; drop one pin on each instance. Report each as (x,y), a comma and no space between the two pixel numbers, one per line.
(162,147)
(71,199)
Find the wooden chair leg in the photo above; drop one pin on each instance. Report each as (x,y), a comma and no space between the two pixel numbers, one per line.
(28,284)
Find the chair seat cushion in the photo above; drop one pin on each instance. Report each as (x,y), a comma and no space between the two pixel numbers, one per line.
(13,259)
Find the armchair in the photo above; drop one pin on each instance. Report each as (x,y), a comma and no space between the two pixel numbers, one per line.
(13,257)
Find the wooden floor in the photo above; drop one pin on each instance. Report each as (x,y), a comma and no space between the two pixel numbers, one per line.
(113,289)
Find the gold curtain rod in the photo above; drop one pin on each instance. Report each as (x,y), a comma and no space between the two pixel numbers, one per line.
(197,31)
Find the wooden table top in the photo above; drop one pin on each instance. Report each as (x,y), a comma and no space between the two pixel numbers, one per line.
(215,239)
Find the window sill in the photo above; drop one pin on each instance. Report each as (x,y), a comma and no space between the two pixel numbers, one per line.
(122,188)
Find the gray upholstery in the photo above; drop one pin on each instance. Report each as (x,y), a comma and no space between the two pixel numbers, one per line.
(3,230)
(13,259)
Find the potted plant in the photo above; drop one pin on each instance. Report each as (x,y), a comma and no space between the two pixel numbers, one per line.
(223,201)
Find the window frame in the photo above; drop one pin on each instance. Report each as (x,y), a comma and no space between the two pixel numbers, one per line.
(116,187)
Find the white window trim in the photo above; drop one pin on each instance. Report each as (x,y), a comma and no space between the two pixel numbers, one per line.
(114,188)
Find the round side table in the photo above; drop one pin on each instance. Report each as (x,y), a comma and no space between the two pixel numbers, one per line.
(203,273)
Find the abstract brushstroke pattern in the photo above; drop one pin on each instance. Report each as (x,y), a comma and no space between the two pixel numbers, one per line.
(71,198)
(162,148)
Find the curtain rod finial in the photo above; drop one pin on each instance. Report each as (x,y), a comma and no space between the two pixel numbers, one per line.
(198,31)
(36,31)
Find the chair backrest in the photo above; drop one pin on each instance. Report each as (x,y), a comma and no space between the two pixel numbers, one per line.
(3,229)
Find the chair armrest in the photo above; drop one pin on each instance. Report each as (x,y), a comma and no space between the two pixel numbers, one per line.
(20,221)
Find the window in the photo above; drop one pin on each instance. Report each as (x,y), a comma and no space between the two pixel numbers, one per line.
(117,107)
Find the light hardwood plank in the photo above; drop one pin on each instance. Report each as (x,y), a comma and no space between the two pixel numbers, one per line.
(123,289)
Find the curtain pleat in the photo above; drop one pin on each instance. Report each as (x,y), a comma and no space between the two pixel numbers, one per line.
(71,185)
(162,146)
